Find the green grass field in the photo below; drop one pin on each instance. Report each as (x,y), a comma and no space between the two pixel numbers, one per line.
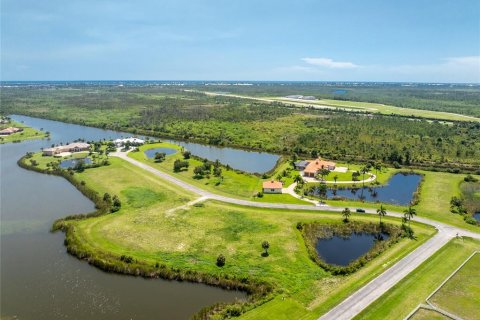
(191,239)
(404,297)
(461,294)
(27,133)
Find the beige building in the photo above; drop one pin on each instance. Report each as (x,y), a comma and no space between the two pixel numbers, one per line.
(72,147)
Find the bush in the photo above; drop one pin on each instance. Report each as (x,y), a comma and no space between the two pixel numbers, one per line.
(220,260)
(470,178)
(470,220)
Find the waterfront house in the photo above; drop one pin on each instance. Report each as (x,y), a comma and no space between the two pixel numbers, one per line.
(131,141)
(272,187)
(72,147)
(9,131)
(314,166)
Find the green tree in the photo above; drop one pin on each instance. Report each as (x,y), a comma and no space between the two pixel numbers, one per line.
(346,213)
(335,178)
(409,213)
(159,156)
(381,212)
(323,173)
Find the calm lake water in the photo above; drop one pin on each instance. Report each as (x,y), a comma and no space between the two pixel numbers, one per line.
(399,190)
(70,163)
(248,161)
(341,251)
(40,280)
(151,152)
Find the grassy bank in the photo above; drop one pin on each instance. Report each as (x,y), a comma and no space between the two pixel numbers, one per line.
(185,243)
(399,301)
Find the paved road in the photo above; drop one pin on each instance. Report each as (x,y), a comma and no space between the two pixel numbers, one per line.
(363,297)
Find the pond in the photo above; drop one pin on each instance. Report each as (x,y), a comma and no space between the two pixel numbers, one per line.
(399,191)
(476,216)
(341,251)
(248,161)
(150,153)
(71,163)
(40,280)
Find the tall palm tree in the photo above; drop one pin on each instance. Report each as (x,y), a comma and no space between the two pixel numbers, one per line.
(346,213)
(409,213)
(381,212)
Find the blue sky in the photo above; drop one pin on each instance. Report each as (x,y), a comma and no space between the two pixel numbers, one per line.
(323,40)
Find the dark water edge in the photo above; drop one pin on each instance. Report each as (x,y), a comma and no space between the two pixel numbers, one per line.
(40,281)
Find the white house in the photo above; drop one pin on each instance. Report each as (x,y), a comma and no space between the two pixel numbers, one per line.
(272,187)
(132,141)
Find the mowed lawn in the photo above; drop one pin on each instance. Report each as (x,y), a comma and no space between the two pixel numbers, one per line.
(461,294)
(404,297)
(147,229)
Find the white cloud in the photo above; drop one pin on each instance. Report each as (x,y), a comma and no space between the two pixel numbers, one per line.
(329,63)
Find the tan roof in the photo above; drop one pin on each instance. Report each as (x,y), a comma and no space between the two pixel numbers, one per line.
(272,184)
(10,130)
(315,165)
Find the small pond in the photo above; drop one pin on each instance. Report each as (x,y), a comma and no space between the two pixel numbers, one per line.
(71,163)
(151,152)
(341,251)
(399,191)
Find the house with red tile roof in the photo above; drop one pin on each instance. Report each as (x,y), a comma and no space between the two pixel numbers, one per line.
(272,187)
(314,166)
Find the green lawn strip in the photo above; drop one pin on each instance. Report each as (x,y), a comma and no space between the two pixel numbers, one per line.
(411,291)
(28,133)
(460,295)
(233,184)
(280,198)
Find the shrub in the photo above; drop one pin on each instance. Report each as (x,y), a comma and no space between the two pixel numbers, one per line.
(220,260)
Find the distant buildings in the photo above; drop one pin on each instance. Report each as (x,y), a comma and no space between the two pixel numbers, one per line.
(131,141)
(72,147)
(300,97)
(272,187)
(9,131)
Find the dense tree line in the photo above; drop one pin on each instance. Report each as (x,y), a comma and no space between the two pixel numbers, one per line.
(225,121)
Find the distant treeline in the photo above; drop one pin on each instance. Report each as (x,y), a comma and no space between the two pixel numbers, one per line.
(173,112)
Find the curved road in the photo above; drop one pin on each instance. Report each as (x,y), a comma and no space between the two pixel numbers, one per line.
(360,299)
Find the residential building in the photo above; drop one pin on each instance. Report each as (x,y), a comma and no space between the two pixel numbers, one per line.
(272,187)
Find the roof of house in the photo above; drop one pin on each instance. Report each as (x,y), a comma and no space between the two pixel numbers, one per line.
(315,165)
(10,130)
(272,184)
(301,163)
(79,145)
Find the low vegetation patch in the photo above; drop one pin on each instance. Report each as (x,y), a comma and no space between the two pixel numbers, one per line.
(139,197)
(312,232)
